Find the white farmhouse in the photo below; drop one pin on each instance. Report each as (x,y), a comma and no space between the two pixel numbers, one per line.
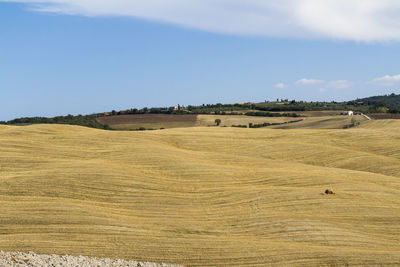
(348,113)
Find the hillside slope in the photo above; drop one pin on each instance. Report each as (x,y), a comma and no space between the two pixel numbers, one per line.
(204,196)
(391,100)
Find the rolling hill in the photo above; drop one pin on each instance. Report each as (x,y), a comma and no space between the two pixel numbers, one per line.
(390,101)
(204,196)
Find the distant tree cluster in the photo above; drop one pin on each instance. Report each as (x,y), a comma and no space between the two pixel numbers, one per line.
(394,110)
(388,101)
(219,108)
(88,121)
(150,111)
(286,107)
(269,114)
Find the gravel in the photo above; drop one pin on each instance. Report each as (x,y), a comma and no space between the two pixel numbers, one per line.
(20,259)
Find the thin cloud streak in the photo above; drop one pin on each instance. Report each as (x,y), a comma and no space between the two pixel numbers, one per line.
(280,85)
(305,81)
(339,84)
(355,20)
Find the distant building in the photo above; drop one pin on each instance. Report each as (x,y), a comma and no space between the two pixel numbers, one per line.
(174,108)
(347,113)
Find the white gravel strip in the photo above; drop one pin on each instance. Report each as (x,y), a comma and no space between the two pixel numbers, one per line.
(19,259)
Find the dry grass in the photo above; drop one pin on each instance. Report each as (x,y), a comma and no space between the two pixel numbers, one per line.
(204,196)
(319,113)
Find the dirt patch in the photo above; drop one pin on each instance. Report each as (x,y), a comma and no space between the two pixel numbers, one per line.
(20,259)
(146,119)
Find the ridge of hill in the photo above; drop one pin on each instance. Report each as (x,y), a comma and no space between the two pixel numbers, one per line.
(390,101)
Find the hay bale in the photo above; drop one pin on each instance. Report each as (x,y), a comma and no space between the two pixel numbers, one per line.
(329,192)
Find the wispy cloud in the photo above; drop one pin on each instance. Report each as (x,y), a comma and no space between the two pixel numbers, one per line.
(324,85)
(280,85)
(339,84)
(366,20)
(387,80)
(305,81)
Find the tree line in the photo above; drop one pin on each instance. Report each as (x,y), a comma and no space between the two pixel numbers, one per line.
(81,120)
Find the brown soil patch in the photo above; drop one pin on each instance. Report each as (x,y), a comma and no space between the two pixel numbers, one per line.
(384,116)
(145,118)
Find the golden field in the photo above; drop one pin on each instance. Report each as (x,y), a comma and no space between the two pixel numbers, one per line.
(321,122)
(204,196)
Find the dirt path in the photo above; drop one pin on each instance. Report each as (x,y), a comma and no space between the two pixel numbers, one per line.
(368,118)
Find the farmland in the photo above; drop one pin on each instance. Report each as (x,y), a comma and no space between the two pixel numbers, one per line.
(227,120)
(308,120)
(148,121)
(385,116)
(322,122)
(157,121)
(204,196)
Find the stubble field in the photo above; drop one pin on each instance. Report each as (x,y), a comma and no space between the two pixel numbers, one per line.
(309,120)
(204,196)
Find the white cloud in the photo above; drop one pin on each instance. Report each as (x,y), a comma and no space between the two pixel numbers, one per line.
(339,84)
(309,81)
(357,20)
(387,80)
(325,85)
(280,85)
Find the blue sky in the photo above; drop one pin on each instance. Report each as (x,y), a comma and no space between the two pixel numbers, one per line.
(78,57)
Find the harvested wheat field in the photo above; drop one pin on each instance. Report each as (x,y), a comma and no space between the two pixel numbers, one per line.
(204,196)
(322,122)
